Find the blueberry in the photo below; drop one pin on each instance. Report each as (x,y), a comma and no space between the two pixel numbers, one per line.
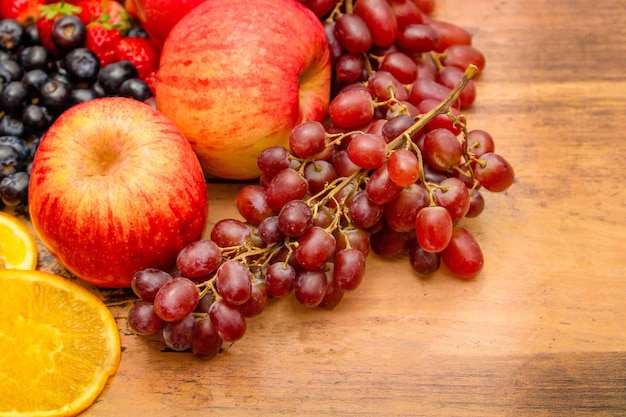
(10,161)
(13,97)
(135,88)
(11,125)
(82,65)
(33,80)
(10,71)
(11,34)
(31,35)
(80,95)
(68,32)
(14,189)
(16,143)
(35,57)
(113,75)
(36,119)
(55,95)
(32,147)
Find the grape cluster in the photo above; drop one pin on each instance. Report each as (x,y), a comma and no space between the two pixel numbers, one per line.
(37,85)
(394,171)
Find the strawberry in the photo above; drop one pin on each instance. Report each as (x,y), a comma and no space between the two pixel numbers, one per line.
(102,40)
(24,11)
(109,11)
(49,14)
(141,52)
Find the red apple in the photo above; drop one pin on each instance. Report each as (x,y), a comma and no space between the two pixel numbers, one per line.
(158,17)
(116,188)
(236,76)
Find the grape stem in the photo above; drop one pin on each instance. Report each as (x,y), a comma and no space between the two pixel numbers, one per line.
(441,108)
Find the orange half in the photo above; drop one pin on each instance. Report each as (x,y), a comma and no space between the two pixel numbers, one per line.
(59,344)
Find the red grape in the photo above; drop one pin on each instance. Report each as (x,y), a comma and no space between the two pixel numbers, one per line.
(433,228)
(494,172)
(233,282)
(311,287)
(176,298)
(178,335)
(367,150)
(380,20)
(315,247)
(199,258)
(295,218)
(349,268)
(442,149)
(307,139)
(143,319)
(281,279)
(147,282)
(352,33)
(251,203)
(351,108)
(463,255)
(206,342)
(229,321)
(403,167)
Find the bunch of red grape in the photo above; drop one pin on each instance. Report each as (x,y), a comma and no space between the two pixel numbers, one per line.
(394,171)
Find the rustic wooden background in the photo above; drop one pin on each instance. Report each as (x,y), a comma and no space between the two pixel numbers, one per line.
(539,332)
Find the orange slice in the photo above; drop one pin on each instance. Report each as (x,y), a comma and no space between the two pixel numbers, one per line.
(18,249)
(59,344)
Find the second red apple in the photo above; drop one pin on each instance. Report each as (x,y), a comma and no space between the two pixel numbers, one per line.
(236,76)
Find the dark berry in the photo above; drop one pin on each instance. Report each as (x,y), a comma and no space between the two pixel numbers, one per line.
(10,71)
(35,57)
(11,34)
(33,80)
(113,75)
(80,95)
(137,32)
(55,95)
(11,125)
(68,32)
(32,147)
(13,97)
(10,161)
(31,35)
(16,143)
(82,65)
(14,189)
(36,119)
(135,88)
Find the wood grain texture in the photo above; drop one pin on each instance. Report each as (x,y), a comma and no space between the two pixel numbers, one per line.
(540,332)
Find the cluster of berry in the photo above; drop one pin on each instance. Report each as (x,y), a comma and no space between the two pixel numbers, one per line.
(54,57)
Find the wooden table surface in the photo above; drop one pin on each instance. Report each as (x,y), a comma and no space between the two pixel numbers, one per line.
(541,331)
